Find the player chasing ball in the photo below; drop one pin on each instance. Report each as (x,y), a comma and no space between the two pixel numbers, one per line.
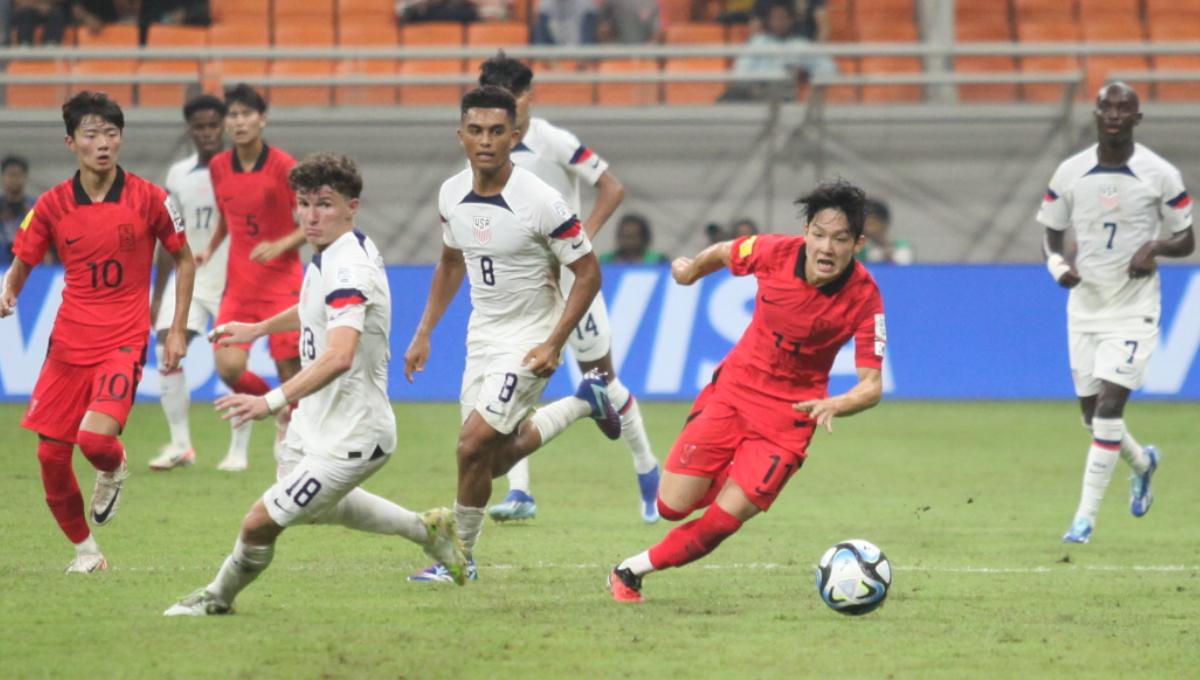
(749,430)
(1116,196)
(344,429)
(104,223)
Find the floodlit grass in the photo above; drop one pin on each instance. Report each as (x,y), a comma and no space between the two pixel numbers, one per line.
(967,500)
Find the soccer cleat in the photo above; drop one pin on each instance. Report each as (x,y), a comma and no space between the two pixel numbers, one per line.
(438,573)
(648,483)
(593,389)
(624,585)
(199,603)
(1140,495)
(443,543)
(106,497)
(232,463)
(173,456)
(1080,532)
(517,505)
(87,563)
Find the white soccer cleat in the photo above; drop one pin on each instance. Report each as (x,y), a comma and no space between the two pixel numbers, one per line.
(199,603)
(87,563)
(443,543)
(233,463)
(106,497)
(173,456)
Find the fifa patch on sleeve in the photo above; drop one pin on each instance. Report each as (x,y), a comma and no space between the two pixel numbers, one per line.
(880,335)
(746,247)
(176,218)
(561,210)
(28,219)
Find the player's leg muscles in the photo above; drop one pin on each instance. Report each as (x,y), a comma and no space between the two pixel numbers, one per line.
(1110,403)
(174,397)
(679,494)
(252,553)
(478,444)
(1087,406)
(231,366)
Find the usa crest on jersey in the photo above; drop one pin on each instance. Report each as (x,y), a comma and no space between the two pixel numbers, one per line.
(482,228)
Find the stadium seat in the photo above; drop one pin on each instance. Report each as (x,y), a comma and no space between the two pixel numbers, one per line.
(295,33)
(1043,11)
(737,34)
(627,94)
(253,11)
(352,34)
(878,11)
(694,93)
(977,29)
(1102,10)
(891,31)
(1048,32)
(162,36)
(230,34)
(36,96)
(378,10)
(695,34)
(433,34)
(498,34)
(112,36)
(1185,28)
(1170,10)
(316,11)
(841,21)
(1099,67)
(673,11)
(563,94)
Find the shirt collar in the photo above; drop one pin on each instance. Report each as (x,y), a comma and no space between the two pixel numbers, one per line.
(258,164)
(113,195)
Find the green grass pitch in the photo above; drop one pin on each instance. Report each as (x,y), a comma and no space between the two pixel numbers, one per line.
(967,500)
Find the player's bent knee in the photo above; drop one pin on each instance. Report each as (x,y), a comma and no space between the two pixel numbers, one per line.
(670,514)
(258,528)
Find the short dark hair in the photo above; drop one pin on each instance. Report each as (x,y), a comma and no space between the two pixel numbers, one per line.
(879,210)
(490,97)
(339,173)
(204,102)
(839,195)
(18,161)
(642,224)
(88,103)
(503,71)
(245,95)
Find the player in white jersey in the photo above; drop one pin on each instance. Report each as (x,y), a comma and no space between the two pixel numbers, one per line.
(509,232)
(559,159)
(190,189)
(1116,196)
(343,430)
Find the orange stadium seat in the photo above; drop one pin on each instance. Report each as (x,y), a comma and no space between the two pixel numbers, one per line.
(841,21)
(1170,10)
(308,10)
(374,34)
(563,94)
(695,34)
(891,31)
(36,96)
(112,36)
(1047,32)
(877,11)
(221,71)
(300,32)
(432,34)
(737,34)
(627,94)
(1090,10)
(694,93)
(497,34)
(673,11)
(977,30)
(1100,67)
(1040,11)
(257,11)
(164,36)
(1180,29)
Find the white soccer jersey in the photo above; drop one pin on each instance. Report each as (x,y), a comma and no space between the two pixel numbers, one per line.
(346,285)
(190,188)
(559,159)
(513,243)
(1114,211)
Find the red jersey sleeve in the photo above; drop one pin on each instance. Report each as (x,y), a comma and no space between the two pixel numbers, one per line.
(35,234)
(755,254)
(164,220)
(284,168)
(870,337)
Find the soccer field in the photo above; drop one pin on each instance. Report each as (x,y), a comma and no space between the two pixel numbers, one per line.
(967,500)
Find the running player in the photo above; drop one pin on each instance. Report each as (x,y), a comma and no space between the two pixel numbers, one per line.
(509,231)
(104,222)
(559,159)
(264,272)
(190,189)
(1116,196)
(749,430)
(344,430)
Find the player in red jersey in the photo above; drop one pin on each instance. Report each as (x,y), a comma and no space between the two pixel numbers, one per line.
(255,202)
(749,430)
(104,222)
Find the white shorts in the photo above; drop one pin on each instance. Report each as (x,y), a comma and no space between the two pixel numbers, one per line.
(309,486)
(502,390)
(202,311)
(592,338)
(1118,358)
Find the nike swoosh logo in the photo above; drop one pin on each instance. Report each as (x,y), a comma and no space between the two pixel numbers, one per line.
(768,302)
(595,163)
(102,517)
(491,410)
(601,395)
(276,502)
(71,241)
(577,245)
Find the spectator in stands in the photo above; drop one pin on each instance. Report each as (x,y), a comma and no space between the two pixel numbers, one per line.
(173,12)
(714,233)
(880,246)
(632,22)
(633,243)
(14,170)
(744,227)
(777,32)
(94,15)
(50,15)
(810,18)
(566,22)
(463,11)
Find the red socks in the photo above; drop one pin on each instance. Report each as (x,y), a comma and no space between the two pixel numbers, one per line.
(250,383)
(689,542)
(103,451)
(62,489)
(672,515)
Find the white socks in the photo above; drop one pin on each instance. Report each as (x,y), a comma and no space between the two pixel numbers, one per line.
(240,569)
(1107,435)
(87,546)
(1133,454)
(239,442)
(470,524)
(632,428)
(639,564)
(364,511)
(552,419)
(518,476)
(175,402)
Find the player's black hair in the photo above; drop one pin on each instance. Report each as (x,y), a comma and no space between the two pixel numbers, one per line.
(339,173)
(88,103)
(642,223)
(490,97)
(879,210)
(18,161)
(503,71)
(245,95)
(204,102)
(839,195)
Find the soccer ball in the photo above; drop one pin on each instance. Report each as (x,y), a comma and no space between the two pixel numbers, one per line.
(853,577)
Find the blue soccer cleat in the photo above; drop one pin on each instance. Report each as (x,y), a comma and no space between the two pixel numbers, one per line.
(1140,495)
(1080,532)
(593,389)
(517,505)
(438,573)
(648,483)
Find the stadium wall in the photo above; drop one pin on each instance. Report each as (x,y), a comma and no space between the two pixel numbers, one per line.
(954,332)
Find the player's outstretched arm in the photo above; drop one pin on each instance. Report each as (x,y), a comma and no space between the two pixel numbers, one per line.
(175,347)
(861,397)
(447,279)
(14,282)
(1063,272)
(713,258)
(239,333)
(544,358)
(609,194)
(1181,244)
(269,250)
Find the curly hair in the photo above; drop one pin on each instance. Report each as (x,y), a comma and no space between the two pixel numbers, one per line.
(504,71)
(317,170)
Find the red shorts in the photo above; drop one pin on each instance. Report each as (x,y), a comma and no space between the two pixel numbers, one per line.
(717,436)
(283,346)
(65,392)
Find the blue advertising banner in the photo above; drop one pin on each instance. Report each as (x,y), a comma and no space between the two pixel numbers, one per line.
(954,332)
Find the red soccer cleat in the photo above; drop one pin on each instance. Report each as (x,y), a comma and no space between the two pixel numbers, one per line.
(625,586)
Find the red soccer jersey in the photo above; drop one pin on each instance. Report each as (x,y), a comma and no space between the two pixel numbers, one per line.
(786,353)
(257,205)
(107,249)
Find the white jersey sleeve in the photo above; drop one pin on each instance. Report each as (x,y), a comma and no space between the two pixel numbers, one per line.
(573,155)
(1055,212)
(1176,208)
(444,217)
(562,229)
(347,284)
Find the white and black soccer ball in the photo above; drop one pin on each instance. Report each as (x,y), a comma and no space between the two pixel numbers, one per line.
(854,577)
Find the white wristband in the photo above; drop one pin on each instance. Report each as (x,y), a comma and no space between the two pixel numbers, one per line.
(276,399)
(1057,266)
